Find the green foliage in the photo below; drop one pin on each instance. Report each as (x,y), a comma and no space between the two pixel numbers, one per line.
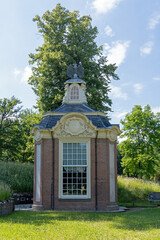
(27,119)
(129,188)
(69,38)
(81,225)
(18,176)
(9,128)
(140,149)
(5,192)
(16,142)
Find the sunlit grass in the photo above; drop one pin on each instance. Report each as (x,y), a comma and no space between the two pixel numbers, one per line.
(137,189)
(78,225)
(5,192)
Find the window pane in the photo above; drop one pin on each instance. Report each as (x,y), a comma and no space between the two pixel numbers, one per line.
(74,183)
(74,93)
(74,178)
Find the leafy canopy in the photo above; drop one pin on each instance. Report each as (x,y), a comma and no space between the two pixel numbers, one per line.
(69,38)
(9,127)
(140,149)
(16,143)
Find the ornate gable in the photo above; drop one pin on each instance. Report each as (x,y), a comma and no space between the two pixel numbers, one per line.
(74,125)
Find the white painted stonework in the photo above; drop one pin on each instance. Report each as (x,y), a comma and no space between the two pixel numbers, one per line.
(82,96)
(74,125)
(38,171)
(112,173)
(37,136)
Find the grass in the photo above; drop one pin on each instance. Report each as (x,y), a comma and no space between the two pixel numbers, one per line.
(137,189)
(139,203)
(5,192)
(18,176)
(79,225)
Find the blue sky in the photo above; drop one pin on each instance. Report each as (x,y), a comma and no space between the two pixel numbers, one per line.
(129,31)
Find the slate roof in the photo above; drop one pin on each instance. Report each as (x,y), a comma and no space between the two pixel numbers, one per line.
(66,108)
(99,121)
(51,120)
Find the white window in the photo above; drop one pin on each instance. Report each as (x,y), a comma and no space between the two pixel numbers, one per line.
(74,170)
(74,93)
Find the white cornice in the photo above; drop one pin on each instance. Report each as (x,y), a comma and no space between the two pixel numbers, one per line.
(84,113)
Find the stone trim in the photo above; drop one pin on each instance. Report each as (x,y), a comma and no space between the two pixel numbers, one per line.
(64,113)
(89,130)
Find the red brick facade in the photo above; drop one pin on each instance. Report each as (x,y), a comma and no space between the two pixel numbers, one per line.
(100,202)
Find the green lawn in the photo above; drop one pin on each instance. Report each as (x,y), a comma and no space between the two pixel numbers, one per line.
(47,225)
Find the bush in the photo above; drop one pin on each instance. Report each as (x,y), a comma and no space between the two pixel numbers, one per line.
(18,176)
(129,188)
(5,192)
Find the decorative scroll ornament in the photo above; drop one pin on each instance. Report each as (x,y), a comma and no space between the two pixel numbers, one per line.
(75,127)
(113,135)
(37,136)
(75,71)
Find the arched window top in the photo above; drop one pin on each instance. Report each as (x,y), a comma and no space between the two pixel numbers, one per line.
(74,93)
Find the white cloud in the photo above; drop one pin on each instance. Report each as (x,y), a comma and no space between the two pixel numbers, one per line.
(116,53)
(119,115)
(108,31)
(146,48)
(156,79)
(154,21)
(26,74)
(156,110)
(116,92)
(138,88)
(16,72)
(104,6)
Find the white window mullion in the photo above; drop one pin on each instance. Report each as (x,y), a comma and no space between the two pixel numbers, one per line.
(74,180)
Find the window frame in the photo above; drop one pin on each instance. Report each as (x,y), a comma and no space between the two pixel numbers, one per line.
(73,96)
(60,187)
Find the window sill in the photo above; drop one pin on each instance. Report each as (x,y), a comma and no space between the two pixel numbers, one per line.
(74,199)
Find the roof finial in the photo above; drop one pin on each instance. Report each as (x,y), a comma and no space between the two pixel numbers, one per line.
(75,71)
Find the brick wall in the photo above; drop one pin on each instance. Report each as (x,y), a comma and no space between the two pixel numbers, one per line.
(103,178)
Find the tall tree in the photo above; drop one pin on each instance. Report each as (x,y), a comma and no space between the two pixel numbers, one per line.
(9,128)
(69,38)
(16,142)
(140,149)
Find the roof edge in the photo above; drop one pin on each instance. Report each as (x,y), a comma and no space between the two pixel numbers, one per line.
(64,113)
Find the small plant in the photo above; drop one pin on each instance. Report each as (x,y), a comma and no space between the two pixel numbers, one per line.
(5,192)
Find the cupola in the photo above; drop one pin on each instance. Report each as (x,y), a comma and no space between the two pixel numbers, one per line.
(75,87)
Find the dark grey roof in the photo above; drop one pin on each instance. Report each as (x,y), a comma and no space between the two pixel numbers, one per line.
(66,108)
(99,121)
(50,121)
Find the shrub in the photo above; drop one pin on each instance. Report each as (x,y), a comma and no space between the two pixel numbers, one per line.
(18,176)
(138,189)
(5,192)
